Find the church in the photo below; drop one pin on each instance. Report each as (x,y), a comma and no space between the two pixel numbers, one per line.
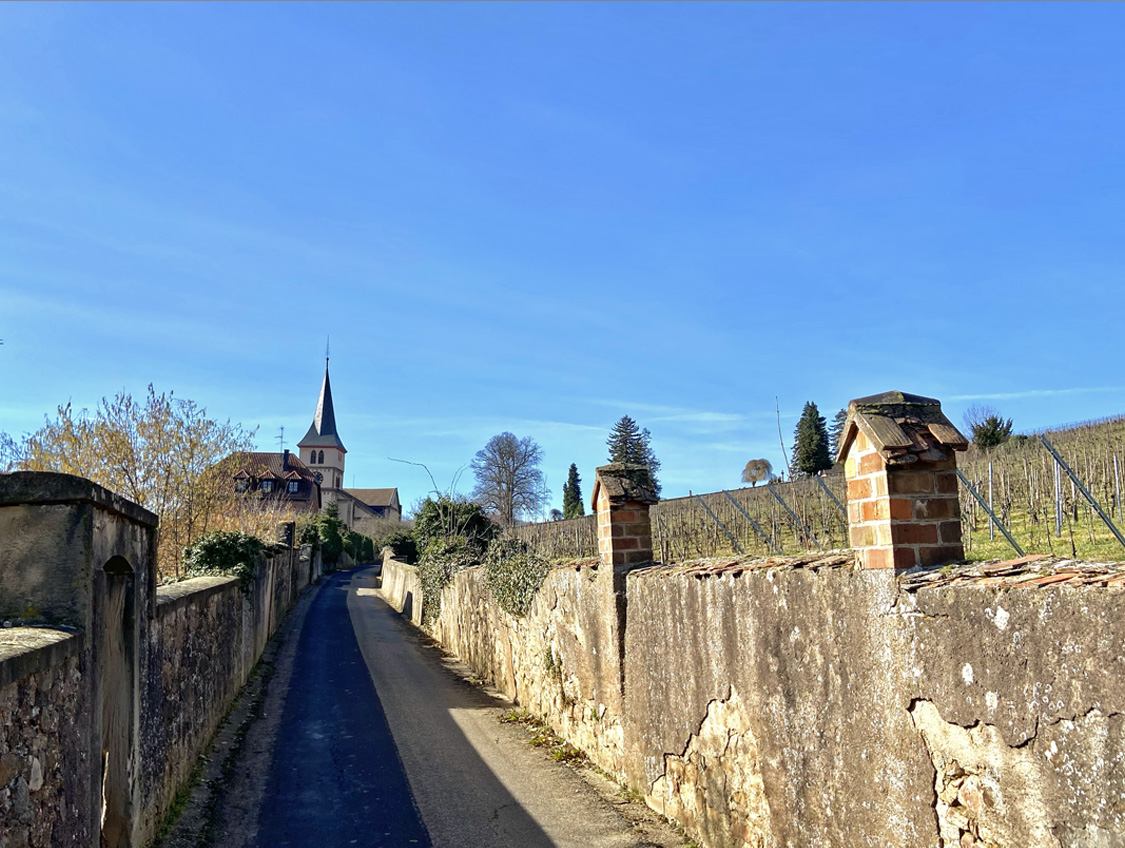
(314,478)
(322,451)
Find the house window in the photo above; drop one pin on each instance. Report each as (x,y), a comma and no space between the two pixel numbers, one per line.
(241,485)
(266,486)
(293,486)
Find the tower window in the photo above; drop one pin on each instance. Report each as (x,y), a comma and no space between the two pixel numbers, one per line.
(321,460)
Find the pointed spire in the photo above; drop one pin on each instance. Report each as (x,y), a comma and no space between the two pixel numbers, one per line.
(322,432)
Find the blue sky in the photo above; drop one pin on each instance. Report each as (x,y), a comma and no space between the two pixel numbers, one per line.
(538,218)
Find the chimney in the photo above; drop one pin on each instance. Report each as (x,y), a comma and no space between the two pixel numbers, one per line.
(285,460)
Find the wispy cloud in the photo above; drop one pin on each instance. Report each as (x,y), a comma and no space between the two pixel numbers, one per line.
(1038,393)
(661,412)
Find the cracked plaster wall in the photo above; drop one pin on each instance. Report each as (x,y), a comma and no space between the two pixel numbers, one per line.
(864,703)
(828,708)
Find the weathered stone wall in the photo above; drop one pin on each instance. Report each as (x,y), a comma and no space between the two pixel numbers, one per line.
(401,587)
(560,661)
(792,707)
(831,708)
(205,640)
(44,731)
(127,680)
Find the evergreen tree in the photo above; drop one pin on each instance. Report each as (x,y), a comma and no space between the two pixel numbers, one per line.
(988,428)
(572,495)
(629,443)
(836,431)
(810,442)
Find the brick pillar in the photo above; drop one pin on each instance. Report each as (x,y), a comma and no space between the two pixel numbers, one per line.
(899,455)
(621,498)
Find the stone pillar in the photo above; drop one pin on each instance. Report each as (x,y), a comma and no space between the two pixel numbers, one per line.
(899,459)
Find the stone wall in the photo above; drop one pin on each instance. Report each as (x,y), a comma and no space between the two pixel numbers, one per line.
(560,661)
(205,640)
(774,705)
(109,699)
(830,708)
(401,587)
(44,721)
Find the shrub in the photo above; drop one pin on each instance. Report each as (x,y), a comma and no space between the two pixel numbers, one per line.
(514,573)
(226,553)
(448,517)
(399,539)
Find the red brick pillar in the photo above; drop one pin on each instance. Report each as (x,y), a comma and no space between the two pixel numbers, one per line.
(899,459)
(622,497)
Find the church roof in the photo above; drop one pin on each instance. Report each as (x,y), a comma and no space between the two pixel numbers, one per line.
(322,432)
(375,497)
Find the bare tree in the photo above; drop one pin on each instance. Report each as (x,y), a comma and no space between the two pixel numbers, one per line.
(161,452)
(509,481)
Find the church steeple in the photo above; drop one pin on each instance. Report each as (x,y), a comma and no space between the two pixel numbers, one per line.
(322,431)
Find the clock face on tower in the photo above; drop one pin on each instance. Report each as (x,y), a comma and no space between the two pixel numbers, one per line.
(319,477)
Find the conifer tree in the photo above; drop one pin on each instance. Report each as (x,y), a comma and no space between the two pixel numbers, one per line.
(836,431)
(810,442)
(572,495)
(629,443)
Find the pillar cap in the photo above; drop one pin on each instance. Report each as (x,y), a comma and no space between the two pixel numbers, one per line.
(903,428)
(623,482)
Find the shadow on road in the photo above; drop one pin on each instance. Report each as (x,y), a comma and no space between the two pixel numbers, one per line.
(441,725)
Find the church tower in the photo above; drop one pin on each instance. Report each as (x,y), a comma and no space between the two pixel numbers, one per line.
(321,449)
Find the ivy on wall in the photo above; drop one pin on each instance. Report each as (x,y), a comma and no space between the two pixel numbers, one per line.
(514,572)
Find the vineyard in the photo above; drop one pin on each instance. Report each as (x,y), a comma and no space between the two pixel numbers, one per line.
(1043,509)
(1038,503)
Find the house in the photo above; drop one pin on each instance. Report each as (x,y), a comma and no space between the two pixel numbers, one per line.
(276,477)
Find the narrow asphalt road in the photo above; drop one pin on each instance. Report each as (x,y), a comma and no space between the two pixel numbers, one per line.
(366,735)
(336,778)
